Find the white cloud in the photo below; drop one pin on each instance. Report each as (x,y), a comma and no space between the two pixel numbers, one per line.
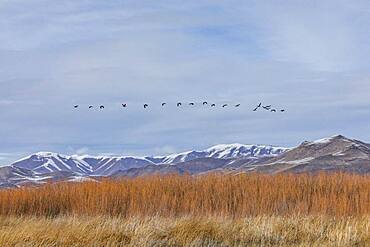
(307,56)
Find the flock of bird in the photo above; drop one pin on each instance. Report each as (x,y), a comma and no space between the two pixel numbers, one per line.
(267,108)
(179,104)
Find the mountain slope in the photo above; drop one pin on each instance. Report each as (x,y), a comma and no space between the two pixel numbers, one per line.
(46,162)
(43,166)
(223,151)
(336,153)
(191,167)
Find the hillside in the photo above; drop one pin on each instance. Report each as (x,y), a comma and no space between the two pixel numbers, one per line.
(333,154)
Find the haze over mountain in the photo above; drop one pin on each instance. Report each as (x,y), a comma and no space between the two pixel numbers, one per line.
(336,153)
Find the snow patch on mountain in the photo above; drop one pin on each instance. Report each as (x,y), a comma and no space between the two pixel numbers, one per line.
(46,162)
(222,151)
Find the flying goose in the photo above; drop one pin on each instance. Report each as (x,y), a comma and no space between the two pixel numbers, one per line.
(258,106)
(237,105)
(76,106)
(224,105)
(101,107)
(205,103)
(164,103)
(124,105)
(191,103)
(179,104)
(145,106)
(213,105)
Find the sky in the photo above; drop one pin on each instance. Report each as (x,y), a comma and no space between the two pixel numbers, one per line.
(308,57)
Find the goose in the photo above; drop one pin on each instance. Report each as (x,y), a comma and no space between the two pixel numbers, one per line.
(282,110)
(90,106)
(164,103)
(124,105)
(145,106)
(237,105)
(205,103)
(224,105)
(213,105)
(258,106)
(101,107)
(191,103)
(273,110)
(179,104)
(76,106)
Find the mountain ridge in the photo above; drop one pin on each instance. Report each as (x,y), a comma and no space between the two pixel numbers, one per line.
(42,162)
(335,153)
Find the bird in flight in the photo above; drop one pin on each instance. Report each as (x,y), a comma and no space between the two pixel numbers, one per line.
(237,105)
(124,105)
(164,103)
(76,106)
(191,103)
(266,107)
(224,105)
(145,106)
(273,110)
(101,107)
(213,105)
(258,106)
(90,106)
(205,103)
(282,110)
(179,104)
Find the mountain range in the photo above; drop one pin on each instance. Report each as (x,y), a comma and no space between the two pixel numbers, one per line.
(336,153)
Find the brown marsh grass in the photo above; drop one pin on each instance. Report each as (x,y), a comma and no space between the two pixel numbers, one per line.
(234,196)
(210,210)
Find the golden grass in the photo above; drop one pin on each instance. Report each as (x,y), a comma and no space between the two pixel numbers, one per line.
(250,231)
(235,196)
(210,210)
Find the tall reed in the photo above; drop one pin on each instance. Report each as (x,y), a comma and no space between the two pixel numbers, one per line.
(210,195)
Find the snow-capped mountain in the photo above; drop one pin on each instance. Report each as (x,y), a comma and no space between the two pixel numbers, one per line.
(45,162)
(222,151)
(336,153)
(42,166)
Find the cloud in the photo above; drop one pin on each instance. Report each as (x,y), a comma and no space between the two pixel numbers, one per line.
(309,57)
(82,151)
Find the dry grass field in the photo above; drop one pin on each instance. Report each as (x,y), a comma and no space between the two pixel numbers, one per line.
(210,210)
(185,231)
